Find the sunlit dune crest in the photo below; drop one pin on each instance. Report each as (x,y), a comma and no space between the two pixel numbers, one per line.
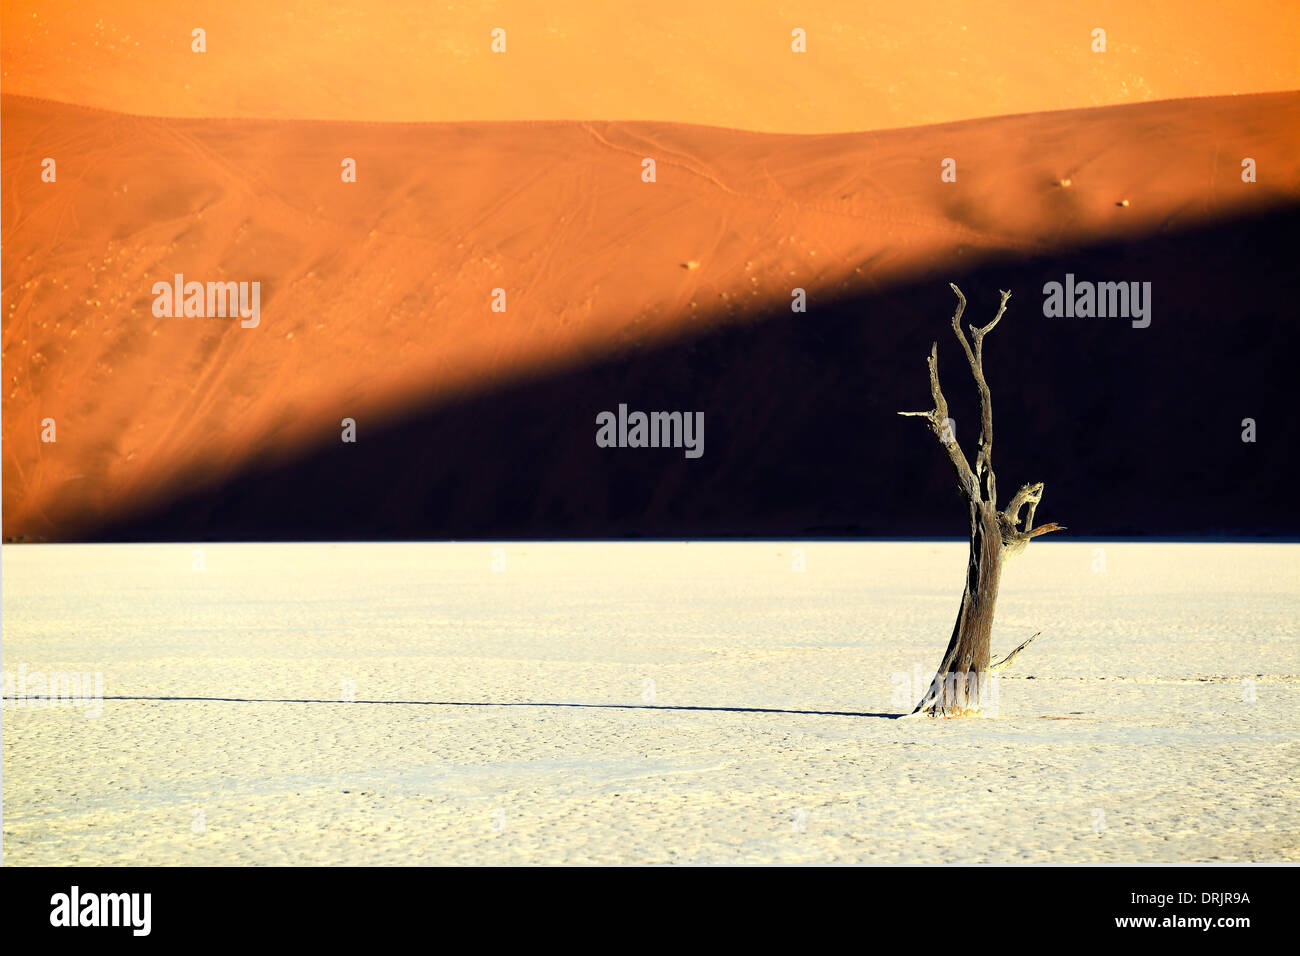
(731,63)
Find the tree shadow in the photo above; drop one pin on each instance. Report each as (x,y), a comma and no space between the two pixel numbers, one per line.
(480,703)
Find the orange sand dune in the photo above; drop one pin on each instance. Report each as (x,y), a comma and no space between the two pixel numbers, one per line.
(378,293)
(868,65)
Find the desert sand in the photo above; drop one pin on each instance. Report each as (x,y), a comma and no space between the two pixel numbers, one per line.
(377,295)
(509,716)
(728,63)
(521,171)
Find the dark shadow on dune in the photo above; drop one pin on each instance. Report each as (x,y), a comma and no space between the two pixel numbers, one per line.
(1135,431)
(484,703)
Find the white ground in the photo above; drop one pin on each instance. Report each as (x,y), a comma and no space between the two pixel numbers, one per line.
(1125,733)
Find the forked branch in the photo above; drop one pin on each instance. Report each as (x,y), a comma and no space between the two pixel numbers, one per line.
(1014,539)
(1029,495)
(975,357)
(979,484)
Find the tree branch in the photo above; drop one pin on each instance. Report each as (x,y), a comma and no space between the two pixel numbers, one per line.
(941,425)
(1045,529)
(1012,656)
(1015,540)
(1029,495)
(975,357)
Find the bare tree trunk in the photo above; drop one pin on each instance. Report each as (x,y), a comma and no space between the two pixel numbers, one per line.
(962,679)
(956,688)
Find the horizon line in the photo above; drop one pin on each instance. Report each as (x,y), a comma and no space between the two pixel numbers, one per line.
(659,122)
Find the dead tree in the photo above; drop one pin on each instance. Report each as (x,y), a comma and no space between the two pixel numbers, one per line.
(995,536)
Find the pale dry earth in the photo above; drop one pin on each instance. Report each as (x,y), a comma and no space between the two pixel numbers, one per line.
(1155,720)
